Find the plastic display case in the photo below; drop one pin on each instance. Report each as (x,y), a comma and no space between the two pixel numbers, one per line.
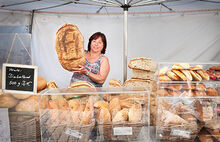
(100,114)
(188,105)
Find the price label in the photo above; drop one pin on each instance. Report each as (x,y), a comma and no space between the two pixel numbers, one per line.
(73,133)
(18,78)
(122,131)
(4,125)
(177,132)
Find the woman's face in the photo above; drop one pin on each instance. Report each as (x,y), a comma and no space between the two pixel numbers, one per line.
(97,45)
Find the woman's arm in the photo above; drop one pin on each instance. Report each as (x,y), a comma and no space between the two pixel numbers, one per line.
(104,70)
(98,78)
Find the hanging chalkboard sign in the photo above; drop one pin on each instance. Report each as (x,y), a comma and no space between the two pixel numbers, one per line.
(18,78)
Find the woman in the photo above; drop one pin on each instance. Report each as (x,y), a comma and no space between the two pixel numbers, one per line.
(97,66)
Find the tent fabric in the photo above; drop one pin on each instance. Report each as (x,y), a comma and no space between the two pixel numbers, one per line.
(176,38)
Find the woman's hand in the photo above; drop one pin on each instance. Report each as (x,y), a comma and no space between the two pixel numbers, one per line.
(80,70)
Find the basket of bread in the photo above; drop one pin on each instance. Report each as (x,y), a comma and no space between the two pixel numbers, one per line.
(70,113)
(121,116)
(23,113)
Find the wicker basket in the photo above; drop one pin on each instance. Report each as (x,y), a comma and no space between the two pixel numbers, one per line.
(26,130)
(109,131)
(64,132)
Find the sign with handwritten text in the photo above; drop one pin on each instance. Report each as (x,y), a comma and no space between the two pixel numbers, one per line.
(18,78)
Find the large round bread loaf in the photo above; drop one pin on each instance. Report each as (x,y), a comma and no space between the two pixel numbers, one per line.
(70,47)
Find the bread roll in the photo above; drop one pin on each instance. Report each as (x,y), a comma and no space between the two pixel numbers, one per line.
(200,93)
(203,74)
(52,85)
(180,74)
(179,66)
(121,115)
(69,46)
(175,87)
(211,92)
(114,106)
(197,67)
(142,74)
(164,78)
(115,83)
(101,104)
(172,75)
(162,92)
(104,115)
(215,68)
(187,74)
(7,101)
(142,63)
(41,83)
(196,76)
(135,113)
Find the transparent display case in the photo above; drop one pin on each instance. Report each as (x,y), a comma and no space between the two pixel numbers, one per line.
(188,99)
(97,114)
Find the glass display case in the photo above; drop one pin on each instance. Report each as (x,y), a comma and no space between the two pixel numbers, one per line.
(188,99)
(97,114)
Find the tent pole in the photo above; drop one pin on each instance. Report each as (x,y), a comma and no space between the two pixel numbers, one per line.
(32,19)
(125,39)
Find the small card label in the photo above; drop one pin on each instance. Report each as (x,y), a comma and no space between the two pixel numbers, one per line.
(122,131)
(177,132)
(73,133)
(4,125)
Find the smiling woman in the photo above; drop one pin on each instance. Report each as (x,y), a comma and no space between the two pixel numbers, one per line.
(97,66)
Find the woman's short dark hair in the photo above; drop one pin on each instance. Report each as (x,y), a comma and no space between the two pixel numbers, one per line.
(95,36)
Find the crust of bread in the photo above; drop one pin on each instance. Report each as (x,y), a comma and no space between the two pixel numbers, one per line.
(104,115)
(138,83)
(197,67)
(52,85)
(211,92)
(180,74)
(179,66)
(115,83)
(121,115)
(142,63)
(215,68)
(101,104)
(203,74)
(196,76)
(164,78)
(187,74)
(172,75)
(81,84)
(69,45)
(41,83)
(142,74)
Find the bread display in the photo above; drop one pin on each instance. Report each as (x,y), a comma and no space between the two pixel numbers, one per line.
(69,46)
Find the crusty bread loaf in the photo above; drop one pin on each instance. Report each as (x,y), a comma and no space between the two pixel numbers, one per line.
(41,83)
(114,106)
(30,104)
(135,113)
(104,115)
(142,63)
(69,46)
(7,101)
(180,74)
(115,83)
(203,74)
(196,76)
(172,75)
(101,104)
(139,83)
(142,74)
(187,74)
(121,115)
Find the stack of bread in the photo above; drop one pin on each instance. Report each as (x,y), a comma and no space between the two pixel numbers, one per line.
(121,110)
